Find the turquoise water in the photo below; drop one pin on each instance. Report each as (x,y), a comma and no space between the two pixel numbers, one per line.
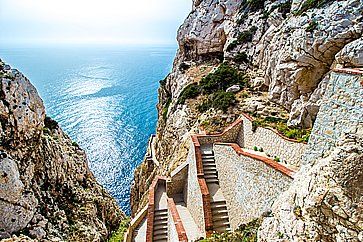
(104,98)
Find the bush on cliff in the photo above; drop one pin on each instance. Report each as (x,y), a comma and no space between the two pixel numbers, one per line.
(220,100)
(118,236)
(224,77)
(245,232)
(190,91)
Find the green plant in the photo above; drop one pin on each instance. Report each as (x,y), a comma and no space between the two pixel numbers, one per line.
(261,149)
(255,148)
(309,4)
(219,100)
(247,35)
(312,25)
(241,58)
(280,235)
(221,79)
(277,159)
(245,233)
(232,45)
(166,108)
(118,236)
(298,211)
(50,123)
(190,91)
(162,82)
(74,143)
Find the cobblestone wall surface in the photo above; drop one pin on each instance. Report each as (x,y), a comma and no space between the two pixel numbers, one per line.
(249,186)
(340,114)
(272,143)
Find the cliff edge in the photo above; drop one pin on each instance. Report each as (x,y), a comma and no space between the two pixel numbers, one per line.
(47,191)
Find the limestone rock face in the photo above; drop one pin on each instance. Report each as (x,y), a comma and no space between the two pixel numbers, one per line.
(205,30)
(298,53)
(46,189)
(291,50)
(351,55)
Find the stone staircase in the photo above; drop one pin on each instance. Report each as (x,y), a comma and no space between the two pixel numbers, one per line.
(209,166)
(220,216)
(160,232)
(218,204)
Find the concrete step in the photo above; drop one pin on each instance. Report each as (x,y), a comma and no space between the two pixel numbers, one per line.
(212,180)
(161,211)
(218,202)
(210,176)
(220,223)
(161,237)
(161,226)
(209,164)
(209,167)
(209,171)
(221,218)
(160,232)
(207,151)
(160,221)
(208,159)
(218,211)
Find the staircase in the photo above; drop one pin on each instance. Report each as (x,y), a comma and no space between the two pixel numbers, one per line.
(220,216)
(160,232)
(209,166)
(218,203)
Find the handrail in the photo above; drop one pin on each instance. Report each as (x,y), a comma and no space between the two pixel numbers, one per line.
(270,162)
(182,235)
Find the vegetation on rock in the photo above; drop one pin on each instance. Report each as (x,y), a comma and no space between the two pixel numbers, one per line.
(299,134)
(245,232)
(309,4)
(118,236)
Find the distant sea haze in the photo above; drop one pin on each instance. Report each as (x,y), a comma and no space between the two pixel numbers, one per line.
(104,98)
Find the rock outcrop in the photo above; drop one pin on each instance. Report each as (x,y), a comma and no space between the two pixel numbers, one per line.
(47,191)
(287,50)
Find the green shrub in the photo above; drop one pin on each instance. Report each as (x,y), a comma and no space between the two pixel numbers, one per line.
(50,123)
(162,82)
(166,108)
(190,91)
(309,4)
(224,77)
(241,58)
(75,144)
(118,236)
(312,25)
(244,233)
(253,5)
(232,45)
(255,148)
(277,159)
(247,35)
(220,100)
(260,150)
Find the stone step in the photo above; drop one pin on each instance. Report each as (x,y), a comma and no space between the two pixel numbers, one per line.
(161,211)
(161,226)
(215,181)
(210,172)
(219,211)
(209,167)
(208,159)
(218,202)
(209,164)
(161,237)
(221,218)
(220,223)
(210,176)
(160,221)
(160,232)
(206,151)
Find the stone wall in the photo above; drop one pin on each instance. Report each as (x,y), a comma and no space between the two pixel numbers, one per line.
(193,198)
(229,135)
(341,113)
(248,185)
(272,143)
(324,203)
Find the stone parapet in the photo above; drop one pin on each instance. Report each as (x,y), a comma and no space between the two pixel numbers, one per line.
(182,235)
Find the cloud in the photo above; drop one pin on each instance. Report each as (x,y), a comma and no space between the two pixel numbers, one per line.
(117,21)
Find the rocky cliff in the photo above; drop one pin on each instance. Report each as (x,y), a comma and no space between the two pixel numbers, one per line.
(285,50)
(47,191)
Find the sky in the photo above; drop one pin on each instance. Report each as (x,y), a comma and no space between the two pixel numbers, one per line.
(24,22)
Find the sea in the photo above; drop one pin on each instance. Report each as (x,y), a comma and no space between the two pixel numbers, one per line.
(104,98)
